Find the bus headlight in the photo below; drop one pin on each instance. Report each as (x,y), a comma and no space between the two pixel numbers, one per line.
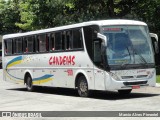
(114,76)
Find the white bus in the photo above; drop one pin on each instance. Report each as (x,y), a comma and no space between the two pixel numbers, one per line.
(96,55)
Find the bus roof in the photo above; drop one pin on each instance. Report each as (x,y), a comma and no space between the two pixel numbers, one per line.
(99,22)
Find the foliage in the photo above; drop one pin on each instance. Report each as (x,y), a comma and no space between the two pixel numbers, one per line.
(37,14)
(26,15)
(9,15)
(158,79)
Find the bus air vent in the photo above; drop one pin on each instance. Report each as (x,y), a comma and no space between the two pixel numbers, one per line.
(135,83)
(142,76)
(127,77)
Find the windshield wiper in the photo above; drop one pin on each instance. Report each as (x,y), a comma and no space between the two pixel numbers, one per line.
(124,64)
(140,56)
(144,62)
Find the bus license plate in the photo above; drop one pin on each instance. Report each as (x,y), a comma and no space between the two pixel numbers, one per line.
(135,87)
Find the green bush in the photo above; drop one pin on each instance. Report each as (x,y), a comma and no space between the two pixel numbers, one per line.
(158,70)
(158,79)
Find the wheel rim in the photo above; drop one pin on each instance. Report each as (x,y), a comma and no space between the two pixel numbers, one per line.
(29,83)
(83,88)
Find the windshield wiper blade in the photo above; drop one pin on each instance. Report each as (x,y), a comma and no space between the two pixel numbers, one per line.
(141,57)
(124,64)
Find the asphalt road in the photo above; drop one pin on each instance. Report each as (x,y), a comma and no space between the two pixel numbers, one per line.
(15,97)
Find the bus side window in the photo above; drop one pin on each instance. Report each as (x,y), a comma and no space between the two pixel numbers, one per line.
(19,45)
(63,40)
(93,44)
(77,39)
(42,43)
(89,40)
(36,44)
(69,40)
(97,51)
(52,42)
(25,49)
(58,44)
(9,45)
(14,46)
(30,44)
(5,47)
(47,42)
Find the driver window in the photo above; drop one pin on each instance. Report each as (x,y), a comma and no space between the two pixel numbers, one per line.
(97,51)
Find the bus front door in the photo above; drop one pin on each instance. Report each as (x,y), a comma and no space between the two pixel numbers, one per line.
(98,72)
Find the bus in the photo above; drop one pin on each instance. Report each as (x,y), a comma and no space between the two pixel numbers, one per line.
(105,55)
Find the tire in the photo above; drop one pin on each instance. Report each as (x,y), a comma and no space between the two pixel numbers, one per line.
(125,92)
(83,87)
(29,84)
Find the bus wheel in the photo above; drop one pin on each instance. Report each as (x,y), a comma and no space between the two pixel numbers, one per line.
(83,87)
(125,92)
(29,84)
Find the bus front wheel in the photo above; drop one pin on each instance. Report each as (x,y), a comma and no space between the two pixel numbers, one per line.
(29,84)
(83,87)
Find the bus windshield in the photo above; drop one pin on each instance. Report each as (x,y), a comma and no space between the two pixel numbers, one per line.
(128,45)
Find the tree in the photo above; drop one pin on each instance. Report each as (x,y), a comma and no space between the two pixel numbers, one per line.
(9,14)
(2,15)
(37,14)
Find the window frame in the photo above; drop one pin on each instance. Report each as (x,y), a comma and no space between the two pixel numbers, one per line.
(48,35)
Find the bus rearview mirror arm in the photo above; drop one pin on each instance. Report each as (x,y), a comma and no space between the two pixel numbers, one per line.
(153,35)
(103,38)
(103,48)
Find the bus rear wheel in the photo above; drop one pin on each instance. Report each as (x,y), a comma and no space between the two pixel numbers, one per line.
(124,92)
(83,87)
(29,84)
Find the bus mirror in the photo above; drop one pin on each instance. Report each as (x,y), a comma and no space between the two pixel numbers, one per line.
(154,36)
(156,47)
(103,38)
(155,42)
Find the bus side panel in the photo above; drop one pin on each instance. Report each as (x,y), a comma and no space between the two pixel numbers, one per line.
(99,76)
(65,66)
(39,68)
(11,71)
(54,62)
(50,69)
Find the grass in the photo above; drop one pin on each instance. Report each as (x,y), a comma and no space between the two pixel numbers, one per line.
(158,79)
(158,74)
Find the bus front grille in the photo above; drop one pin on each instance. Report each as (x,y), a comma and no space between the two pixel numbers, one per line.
(135,83)
(134,77)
